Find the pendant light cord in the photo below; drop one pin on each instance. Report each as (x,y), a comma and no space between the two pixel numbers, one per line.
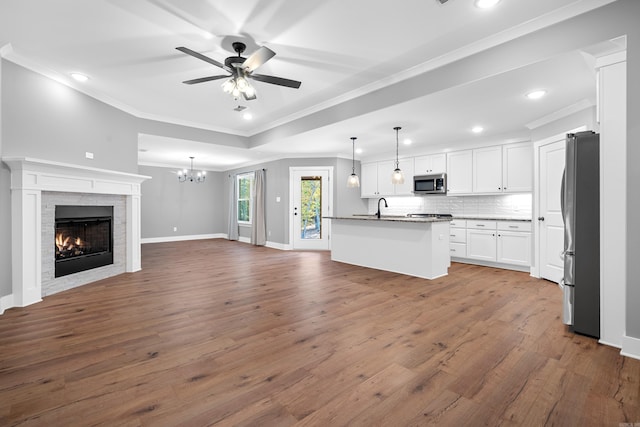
(397,128)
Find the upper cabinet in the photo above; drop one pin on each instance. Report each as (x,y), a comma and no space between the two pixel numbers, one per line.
(517,167)
(503,169)
(488,170)
(459,166)
(376,179)
(434,163)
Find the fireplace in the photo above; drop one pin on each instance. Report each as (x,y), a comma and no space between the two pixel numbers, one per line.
(83,238)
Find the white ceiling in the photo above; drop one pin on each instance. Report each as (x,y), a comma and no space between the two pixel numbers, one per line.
(338,49)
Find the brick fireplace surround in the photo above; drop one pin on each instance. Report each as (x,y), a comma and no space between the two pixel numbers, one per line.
(61,183)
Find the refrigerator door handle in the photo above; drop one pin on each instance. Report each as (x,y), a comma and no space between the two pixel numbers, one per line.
(567,303)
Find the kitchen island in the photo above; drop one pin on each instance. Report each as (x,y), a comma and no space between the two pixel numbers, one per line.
(413,246)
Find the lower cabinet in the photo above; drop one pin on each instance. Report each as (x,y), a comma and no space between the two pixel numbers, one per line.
(514,248)
(500,242)
(481,244)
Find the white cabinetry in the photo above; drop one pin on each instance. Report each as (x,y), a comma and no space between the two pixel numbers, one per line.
(369,180)
(459,177)
(481,240)
(376,179)
(458,238)
(487,170)
(503,169)
(499,243)
(514,243)
(434,163)
(517,167)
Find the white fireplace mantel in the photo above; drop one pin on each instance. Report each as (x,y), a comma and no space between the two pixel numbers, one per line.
(29,178)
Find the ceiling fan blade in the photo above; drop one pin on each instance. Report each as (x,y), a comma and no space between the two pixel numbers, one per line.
(204,79)
(275,80)
(249,98)
(202,57)
(258,58)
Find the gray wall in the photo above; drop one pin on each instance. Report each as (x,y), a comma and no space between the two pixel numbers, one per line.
(345,200)
(193,208)
(48,120)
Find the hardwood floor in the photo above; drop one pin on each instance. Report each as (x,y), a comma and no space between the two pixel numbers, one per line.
(214,332)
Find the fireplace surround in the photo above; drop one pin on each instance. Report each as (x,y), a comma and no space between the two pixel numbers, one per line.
(33,181)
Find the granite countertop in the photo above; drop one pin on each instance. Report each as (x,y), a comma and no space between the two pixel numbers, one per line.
(396,218)
(404,218)
(492,218)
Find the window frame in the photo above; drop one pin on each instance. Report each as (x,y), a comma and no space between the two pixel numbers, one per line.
(250,176)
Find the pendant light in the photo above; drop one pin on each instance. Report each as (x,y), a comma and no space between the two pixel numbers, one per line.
(397,177)
(353,181)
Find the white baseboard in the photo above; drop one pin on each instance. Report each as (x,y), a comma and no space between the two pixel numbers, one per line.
(280,246)
(182,238)
(630,347)
(6,302)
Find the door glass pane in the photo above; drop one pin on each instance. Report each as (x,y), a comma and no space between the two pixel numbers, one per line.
(311,207)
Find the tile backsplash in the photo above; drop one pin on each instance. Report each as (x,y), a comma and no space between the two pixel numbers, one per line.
(513,205)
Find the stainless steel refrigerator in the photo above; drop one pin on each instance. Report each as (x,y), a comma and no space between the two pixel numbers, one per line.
(581,214)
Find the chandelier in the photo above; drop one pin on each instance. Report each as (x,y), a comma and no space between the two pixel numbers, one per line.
(190,175)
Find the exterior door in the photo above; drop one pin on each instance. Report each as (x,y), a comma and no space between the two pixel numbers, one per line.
(311,204)
(551,226)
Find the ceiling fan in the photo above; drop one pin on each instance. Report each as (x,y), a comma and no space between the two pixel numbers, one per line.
(241,69)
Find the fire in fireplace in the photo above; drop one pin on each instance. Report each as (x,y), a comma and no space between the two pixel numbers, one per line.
(83,238)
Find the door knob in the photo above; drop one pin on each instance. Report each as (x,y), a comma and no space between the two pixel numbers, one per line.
(540,218)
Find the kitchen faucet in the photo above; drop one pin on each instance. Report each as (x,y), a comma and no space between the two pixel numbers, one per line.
(385,205)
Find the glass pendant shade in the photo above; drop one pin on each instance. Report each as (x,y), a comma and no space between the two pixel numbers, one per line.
(397,177)
(353,181)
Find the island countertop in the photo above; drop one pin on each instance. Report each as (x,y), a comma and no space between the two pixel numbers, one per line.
(397,218)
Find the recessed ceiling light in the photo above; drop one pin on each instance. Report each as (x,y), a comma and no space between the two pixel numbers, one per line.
(247,116)
(79,77)
(486,4)
(407,141)
(477,129)
(536,94)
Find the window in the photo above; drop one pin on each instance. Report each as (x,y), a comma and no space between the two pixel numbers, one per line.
(245,188)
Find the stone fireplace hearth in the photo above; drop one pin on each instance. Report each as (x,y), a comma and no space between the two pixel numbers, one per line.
(37,186)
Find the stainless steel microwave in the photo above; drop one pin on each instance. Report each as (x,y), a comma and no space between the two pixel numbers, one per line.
(430,184)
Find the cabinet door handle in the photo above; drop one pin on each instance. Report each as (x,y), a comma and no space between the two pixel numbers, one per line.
(479,225)
(513,226)
(540,218)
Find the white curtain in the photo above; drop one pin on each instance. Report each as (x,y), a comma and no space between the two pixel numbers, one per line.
(258,228)
(233,209)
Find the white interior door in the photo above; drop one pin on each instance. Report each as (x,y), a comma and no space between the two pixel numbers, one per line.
(551,227)
(310,205)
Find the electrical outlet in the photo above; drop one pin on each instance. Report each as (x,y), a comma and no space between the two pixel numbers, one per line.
(269,233)
(175,228)
(88,155)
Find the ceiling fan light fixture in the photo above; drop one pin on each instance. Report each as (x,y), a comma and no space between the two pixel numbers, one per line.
(250,91)
(242,83)
(228,86)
